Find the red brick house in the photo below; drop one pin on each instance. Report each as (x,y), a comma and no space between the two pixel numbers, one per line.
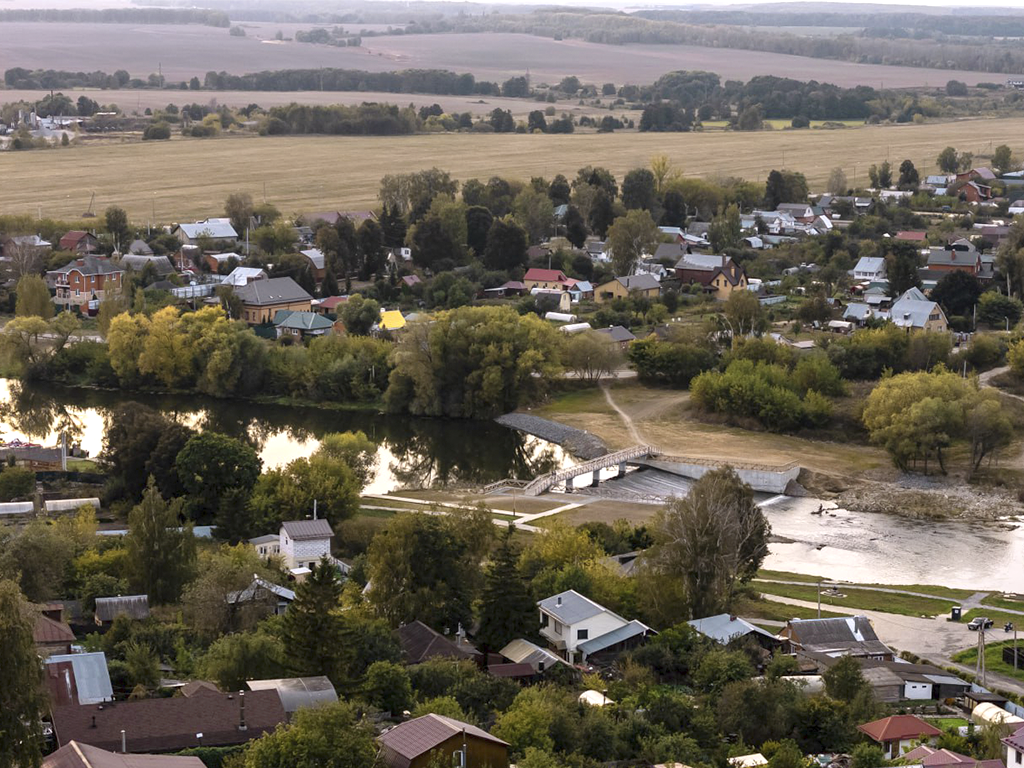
(84,280)
(78,241)
(958,256)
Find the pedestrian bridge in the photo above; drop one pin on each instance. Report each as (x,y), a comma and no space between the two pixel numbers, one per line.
(565,476)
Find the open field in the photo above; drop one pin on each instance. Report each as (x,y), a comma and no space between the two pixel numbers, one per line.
(887,602)
(181,52)
(137,101)
(928,589)
(188,178)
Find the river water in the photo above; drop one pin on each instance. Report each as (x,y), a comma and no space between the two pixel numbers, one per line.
(412,452)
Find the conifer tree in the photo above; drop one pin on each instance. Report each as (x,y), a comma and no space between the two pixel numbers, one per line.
(314,630)
(507,609)
(161,552)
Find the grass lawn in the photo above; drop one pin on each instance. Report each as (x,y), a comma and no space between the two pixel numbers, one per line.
(993,658)
(928,589)
(947,723)
(371,512)
(303,173)
(750,608)
(998,617)
(865,599)
(999,601)
(83,465)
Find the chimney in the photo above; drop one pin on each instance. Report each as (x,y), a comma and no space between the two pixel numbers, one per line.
(124,743)
(80,262)
(558,600)
(241,711)
(725,260)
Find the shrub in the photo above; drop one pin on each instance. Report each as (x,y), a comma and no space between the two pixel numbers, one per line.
(159,131)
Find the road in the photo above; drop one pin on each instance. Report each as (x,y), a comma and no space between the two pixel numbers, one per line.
(935,640)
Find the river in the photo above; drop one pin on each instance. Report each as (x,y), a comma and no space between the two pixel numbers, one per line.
(415,452)
(412,452)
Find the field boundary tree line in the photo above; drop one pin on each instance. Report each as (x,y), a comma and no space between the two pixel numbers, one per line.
(118,16)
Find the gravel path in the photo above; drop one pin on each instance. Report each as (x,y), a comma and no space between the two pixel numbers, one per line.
(622,415)
(579,443)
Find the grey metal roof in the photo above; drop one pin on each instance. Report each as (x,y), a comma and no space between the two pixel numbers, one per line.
(92,679)
(608,639)
(912,313)
(837,635)
(869,264)
(304,321)
(276,290)
(135,606)
(949,258)
(298,692)
(299,530)
(639,282)
(252,592)
(857,311)
(316,257)
(570,607)
(724,628)
(213,228)
(139,262)
(617,333)
(706,262)
(140,247)
(524,652)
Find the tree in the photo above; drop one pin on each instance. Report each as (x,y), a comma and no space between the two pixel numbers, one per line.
(506,245)
(239,208)
(140,442)
(909,177)
(837,184)
(867,755)
(313,628)
(431,243)
(16,483)
(957,292)
(726,230)
(988,428)
(1002,159)
(998,310)
(233,659)
(744,312)
(359,315)
(590,355)
(116,221)
(639,189)
(328,735)
(885,175)
(210,464)
(602,213)
(630,238)
(948,161)
(507,608)
(901,267)
(478,224)
(673,209)
(292,491)
(712,540)
(575,227)
(784,187)
(387,687)
(844,679)
(534,212)
(23,700)
(535,122)
(750,119)
(34,298)
(354,448)
(161,552)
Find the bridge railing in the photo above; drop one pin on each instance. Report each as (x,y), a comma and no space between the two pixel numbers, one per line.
(540,484)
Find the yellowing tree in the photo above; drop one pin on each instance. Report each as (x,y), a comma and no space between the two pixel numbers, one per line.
(126,338)
(165,354)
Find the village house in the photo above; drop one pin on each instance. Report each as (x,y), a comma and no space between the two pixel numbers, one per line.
(898,734)
(932,757)
(421,643)
(208,719)
(973,192)
(522,651)
(577,626)
(719,275)
(915,312)
(84,280)
(139,248)
(298,692)
(846,636)
(435,739)
(261,299)
(1014,744)
(616,334)
(724,628)
(261,592)
(870,268)
(301,325)
(645,286)
(160,265)
(78,678)
(79,241)
(548,279)
(552,300)
(28,245)
(317,263)
(49,632)
(243,276)
(911,236)
(77,755)
(215,262)
(109,608)
(390,320)
(211,229)
(301,544)
(893,681)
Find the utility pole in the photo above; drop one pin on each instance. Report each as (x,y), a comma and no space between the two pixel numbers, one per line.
(979,666)
(819,598)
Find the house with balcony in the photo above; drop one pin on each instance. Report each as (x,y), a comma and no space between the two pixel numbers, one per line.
(85,281)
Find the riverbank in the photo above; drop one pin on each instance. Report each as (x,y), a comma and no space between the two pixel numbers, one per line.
(927,498)
(578,442)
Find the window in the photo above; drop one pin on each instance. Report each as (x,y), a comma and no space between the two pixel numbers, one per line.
(1016,757)
(558,627)
(582,634)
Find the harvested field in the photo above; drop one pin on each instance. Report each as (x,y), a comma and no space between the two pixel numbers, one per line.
(187,178)
(182,52)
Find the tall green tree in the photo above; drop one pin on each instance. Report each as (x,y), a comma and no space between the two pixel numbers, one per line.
(909,177)
(507,607)
(575,227)
(506,245)
(210,464)
(33,298)
(22,697)
(957,291)
(901,266)
(948,161)
(1002,159)
(329,736)
(314,629)
(161,550)
(784,187)
(239,208)
(712,541)
(639,189)
(116,221)
(844,679)
(726,230)
(630,238)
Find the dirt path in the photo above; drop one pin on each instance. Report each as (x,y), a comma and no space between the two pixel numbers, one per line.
(630,426)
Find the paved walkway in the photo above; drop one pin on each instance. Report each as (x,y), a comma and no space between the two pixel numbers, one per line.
(634,435)
(935,640)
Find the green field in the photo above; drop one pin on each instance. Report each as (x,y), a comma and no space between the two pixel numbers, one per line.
(863,599)
(185,179)
(770,610)
(928,589)
(993,658)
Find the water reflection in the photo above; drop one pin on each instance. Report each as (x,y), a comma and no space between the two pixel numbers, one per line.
(412,452)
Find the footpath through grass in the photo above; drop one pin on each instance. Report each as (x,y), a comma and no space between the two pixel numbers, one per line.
(752,608)
(861,599)
(927,589)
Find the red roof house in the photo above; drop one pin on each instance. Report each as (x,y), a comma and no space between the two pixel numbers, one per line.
(78,241)
(546,278)
(899,733)
(911,236)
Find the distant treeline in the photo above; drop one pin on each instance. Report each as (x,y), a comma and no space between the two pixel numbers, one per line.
(897,24)
(433,81)
(341,120)
(661,27)
(17,77)
(120,16)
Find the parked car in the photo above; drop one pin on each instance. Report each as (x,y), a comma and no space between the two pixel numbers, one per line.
(979,622)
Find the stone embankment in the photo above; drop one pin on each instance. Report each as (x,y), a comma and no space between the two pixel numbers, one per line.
(579,443)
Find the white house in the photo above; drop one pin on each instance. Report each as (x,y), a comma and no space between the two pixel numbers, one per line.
(1015,748)
(871,268)
(576,625)
(304,542)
